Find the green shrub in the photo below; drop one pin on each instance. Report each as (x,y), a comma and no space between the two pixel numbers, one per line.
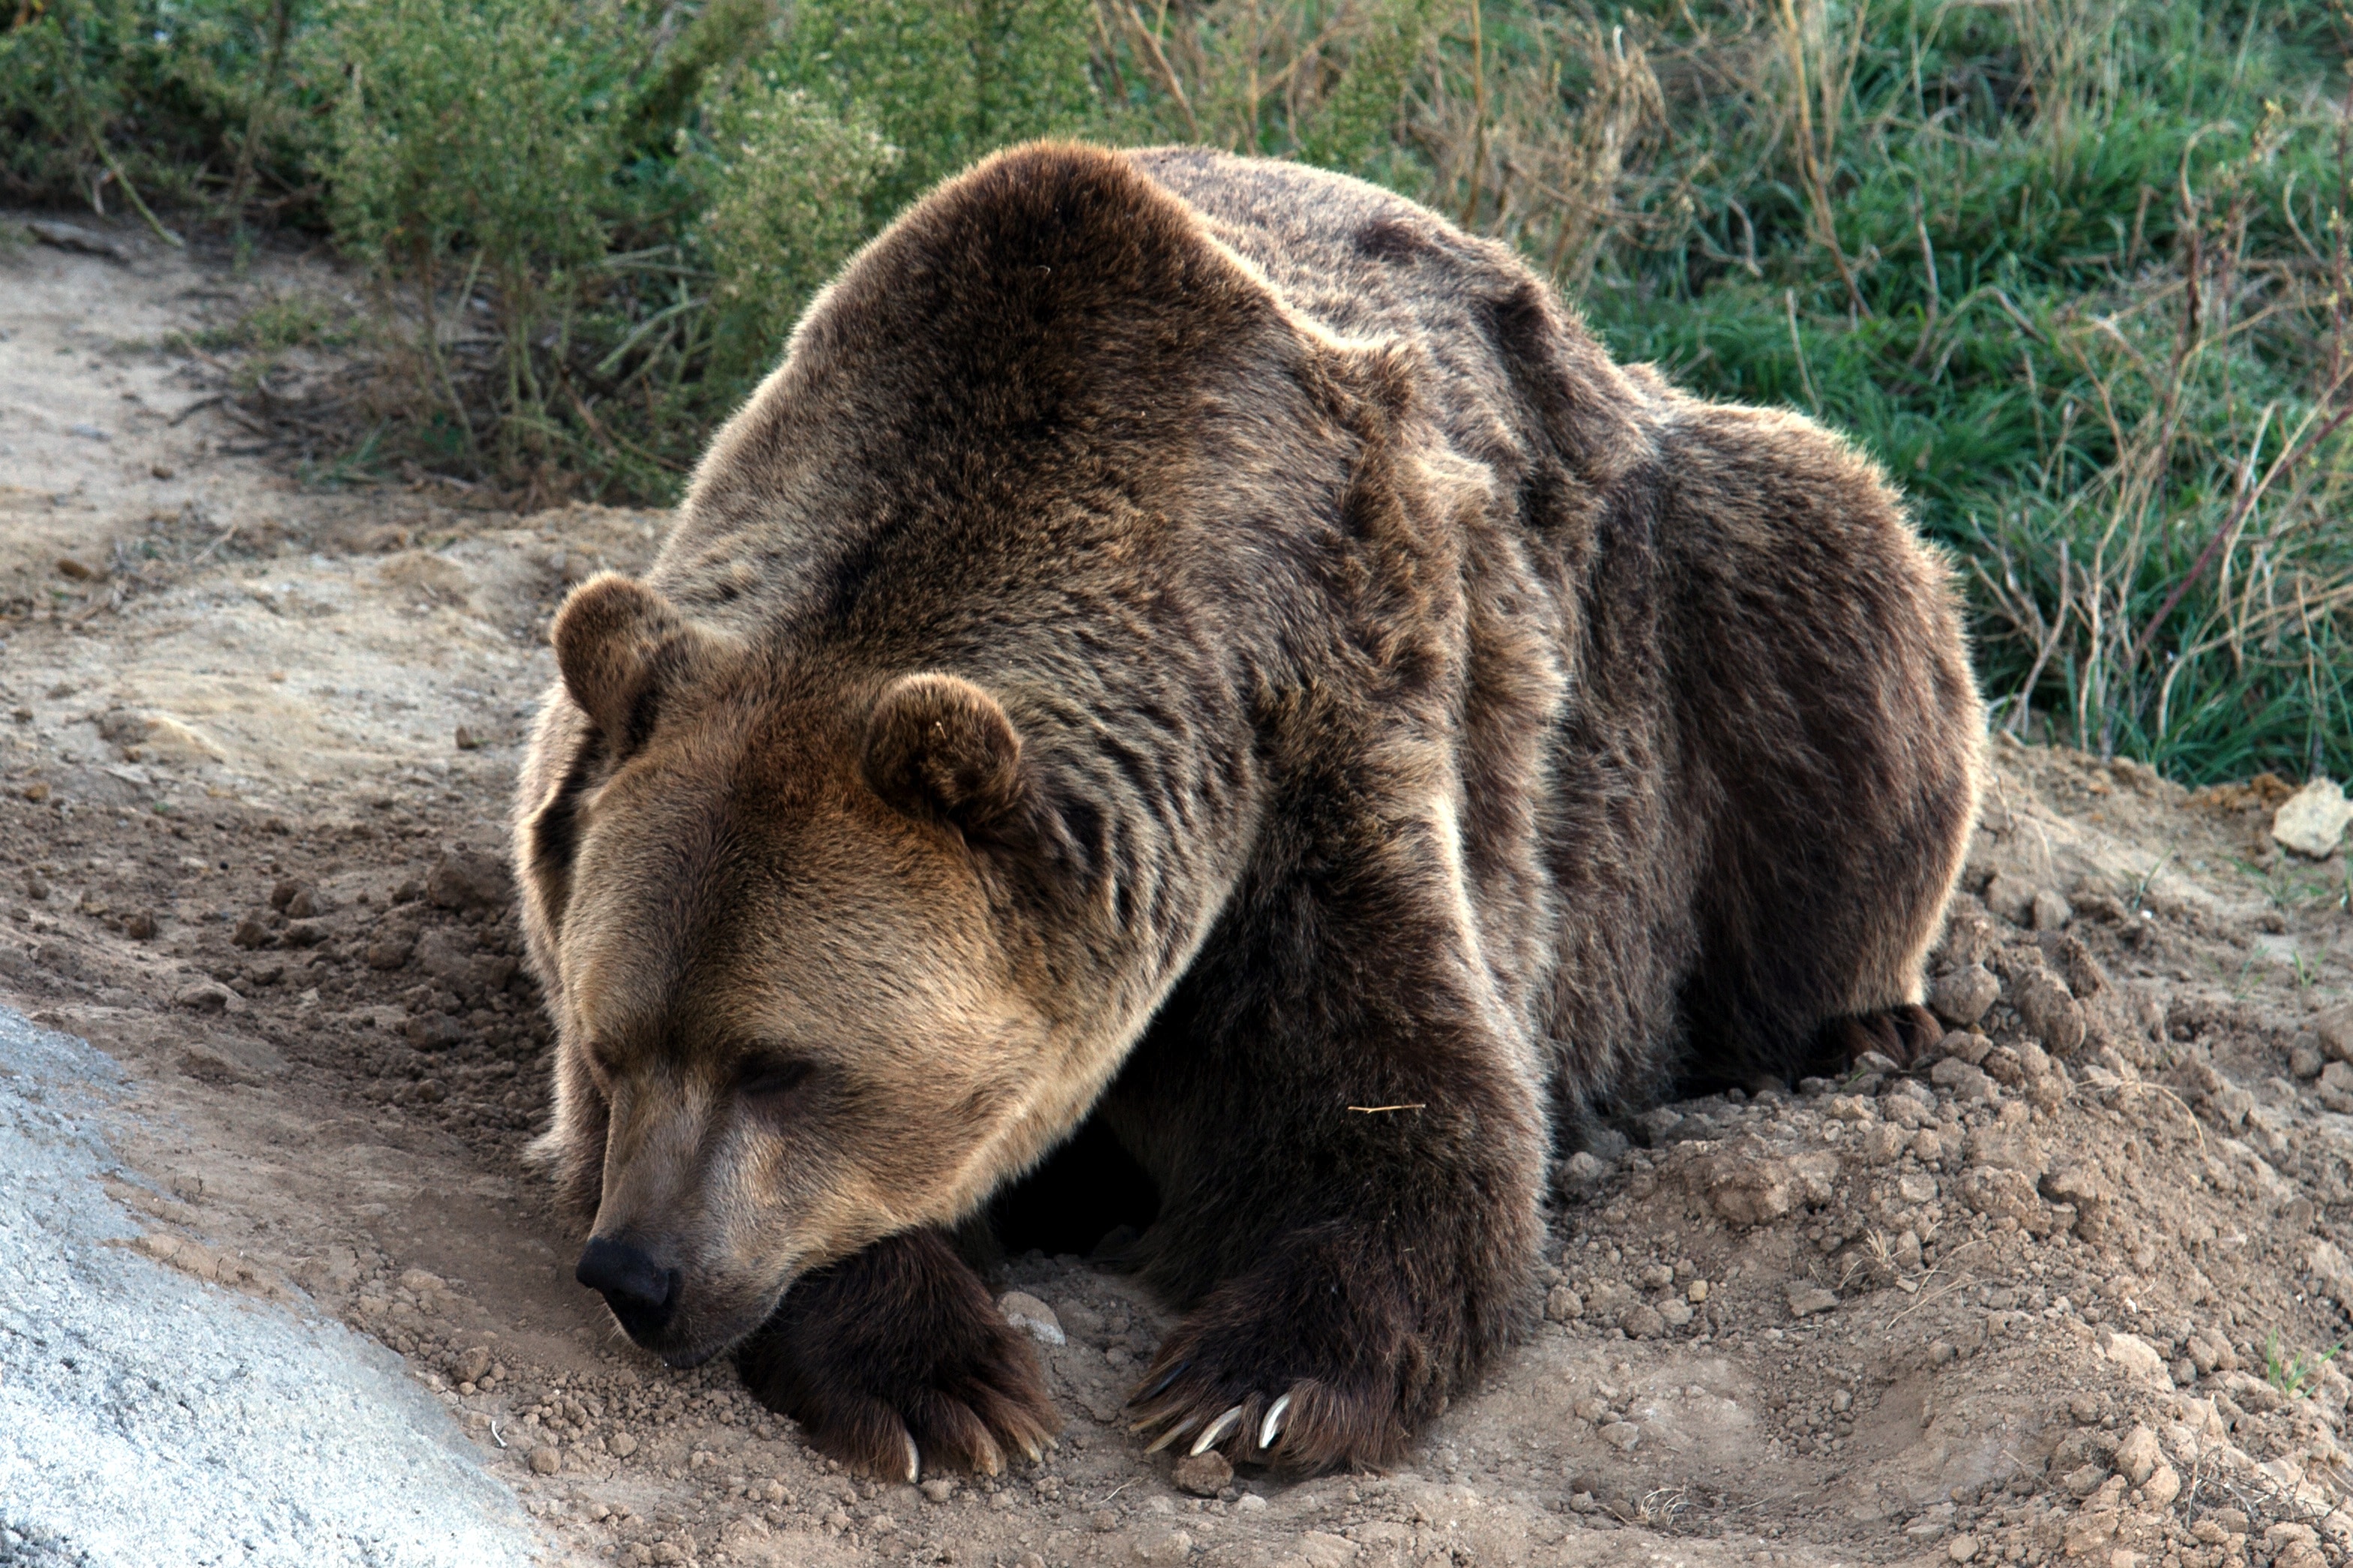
(480,130)
(789,181)
(946,80)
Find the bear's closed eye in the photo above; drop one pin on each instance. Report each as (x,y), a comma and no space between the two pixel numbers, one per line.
(771,1077)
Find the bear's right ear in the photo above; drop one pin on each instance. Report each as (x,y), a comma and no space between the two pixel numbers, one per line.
(940,748)
(613,638)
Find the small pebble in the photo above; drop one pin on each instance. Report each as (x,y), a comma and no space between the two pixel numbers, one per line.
(1204,1474)
(1032,1317)
(545,1460)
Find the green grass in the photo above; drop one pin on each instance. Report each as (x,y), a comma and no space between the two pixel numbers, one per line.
(2075,270)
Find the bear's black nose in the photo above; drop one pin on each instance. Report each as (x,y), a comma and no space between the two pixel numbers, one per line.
(641,1292)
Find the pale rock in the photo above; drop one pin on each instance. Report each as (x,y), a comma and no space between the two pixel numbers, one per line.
(2011,898)
(2139,1358)
(2050,911)
(2164,1484)
(1966,1082)
(1163,1548)
(1323,1550)
(1998,1193)
(1806,1299)
(1032,1317)
(1963,997)
(2137,1456)
(2335,1028)
(2049,1011)
(2312,821)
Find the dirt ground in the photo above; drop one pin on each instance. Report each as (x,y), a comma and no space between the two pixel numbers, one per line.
(2065,1296)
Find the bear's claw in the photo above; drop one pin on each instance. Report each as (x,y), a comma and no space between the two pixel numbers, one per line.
(1217,1429)
(1267,1433)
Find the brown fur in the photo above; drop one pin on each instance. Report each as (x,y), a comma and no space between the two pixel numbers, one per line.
(1206,644)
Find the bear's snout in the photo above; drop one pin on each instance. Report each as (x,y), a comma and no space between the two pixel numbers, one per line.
(641,1292)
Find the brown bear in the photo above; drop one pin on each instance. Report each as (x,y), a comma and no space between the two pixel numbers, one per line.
(1202,649)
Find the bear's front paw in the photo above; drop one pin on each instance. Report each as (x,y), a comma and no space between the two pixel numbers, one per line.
(1299,1369)
(896,1358)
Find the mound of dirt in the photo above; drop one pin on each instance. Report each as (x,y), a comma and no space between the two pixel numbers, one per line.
(2069,1293)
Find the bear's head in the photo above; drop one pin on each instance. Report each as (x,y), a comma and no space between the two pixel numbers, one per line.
(794,930)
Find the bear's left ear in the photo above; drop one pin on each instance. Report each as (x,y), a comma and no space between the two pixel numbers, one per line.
(940,748)
(617,642)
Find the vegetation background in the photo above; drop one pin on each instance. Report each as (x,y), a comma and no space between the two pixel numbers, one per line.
(2075,270)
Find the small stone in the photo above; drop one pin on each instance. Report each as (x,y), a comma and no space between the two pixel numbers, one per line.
(1806,1299)
(1581,1174)
(466,878)
(1251,1502)
(1161,1547)
(1965,996)
(251,932)
(1032,1317)
(205,996)
(1643,1323)
(1204,1474)
(545,1460)
(1321,1549)
(2333,1028)
(2049,1011)
(1676,1313)
(2164,1484)
(139,925)
(620,1445)
(71,566)
(1103,1520)
(1961,1547)
(1563,1305)
(467,739)
(2137,1456)
(2085,1481)
(939,1488)
(1967,1083)
(1621,1434)
(2011,899)
(2311,822)
(471,1365)
(422,1282)
(2303,1058)
(1697,1293)
(1883,1142)
(2051,912)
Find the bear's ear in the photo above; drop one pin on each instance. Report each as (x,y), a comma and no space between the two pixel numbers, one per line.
(938,747)
(613,639)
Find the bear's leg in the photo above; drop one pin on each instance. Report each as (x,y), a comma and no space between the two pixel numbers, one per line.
(1329,1354)
(1350,1163)
(896,1357)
